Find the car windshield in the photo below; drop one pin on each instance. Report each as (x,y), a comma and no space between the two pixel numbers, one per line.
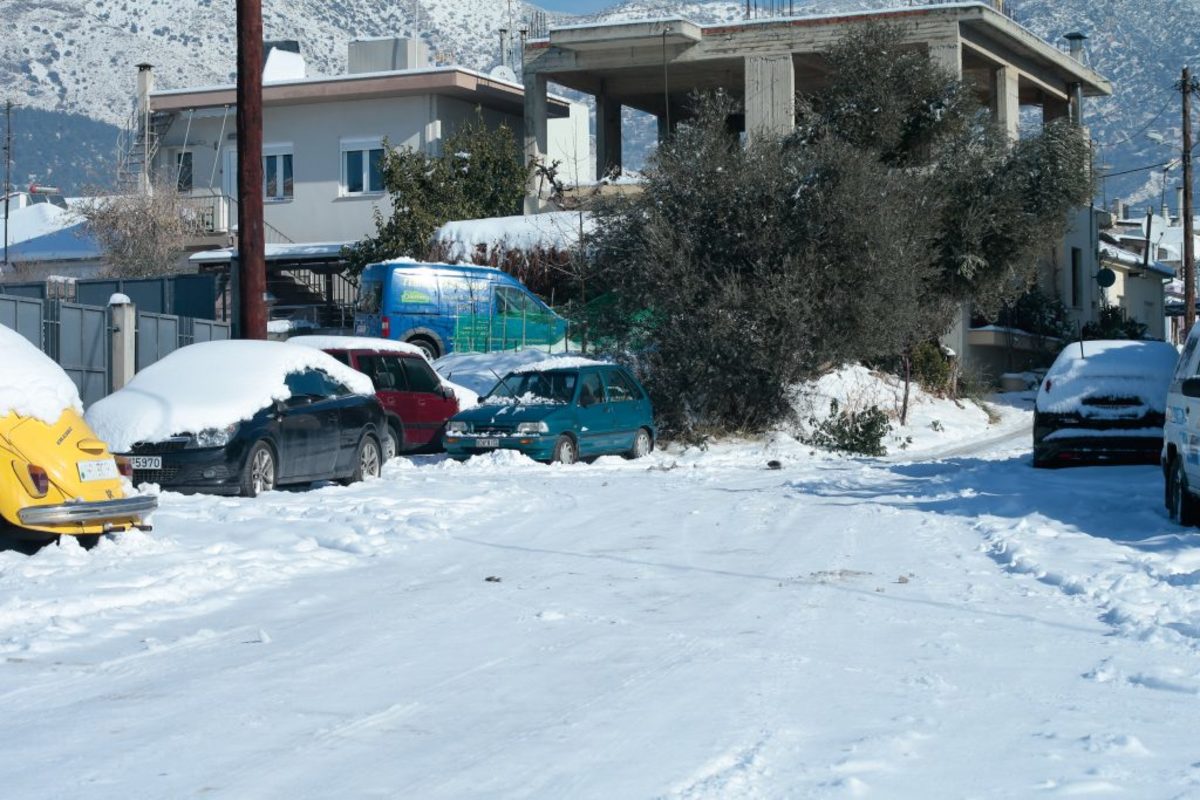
(534,387)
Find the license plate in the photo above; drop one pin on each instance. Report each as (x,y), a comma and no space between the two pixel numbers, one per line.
(146,462)
(485,443)
(101,470)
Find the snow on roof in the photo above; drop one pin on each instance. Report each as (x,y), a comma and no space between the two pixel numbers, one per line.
(1108,368)
(272,251)
(556,230)
(1132,260)
(357,343)
(37,220)
(558,362)
(31,384)
(208,385)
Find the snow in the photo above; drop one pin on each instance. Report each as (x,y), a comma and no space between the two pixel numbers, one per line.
(289,325)
(119,299)
(356,343)
(558,362)
(466,397)
(555,230)
(208,385)
(31,384)
(479,372)
(276,251)
(1120,368)
(689,625)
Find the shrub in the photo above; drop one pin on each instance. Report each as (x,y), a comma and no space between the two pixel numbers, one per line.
(1113,324)
(861,433)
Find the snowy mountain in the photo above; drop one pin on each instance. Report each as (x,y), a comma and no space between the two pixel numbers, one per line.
(79,55)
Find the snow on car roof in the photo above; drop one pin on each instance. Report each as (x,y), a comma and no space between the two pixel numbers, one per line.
(356,343)
(1108,368)
(209,385)
(559,362)
(31,384)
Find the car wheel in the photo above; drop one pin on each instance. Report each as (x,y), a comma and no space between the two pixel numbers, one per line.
(1183,508)
(260,473)
(393,442)
(642,444)
(367,462)
(427,347)
(565,451)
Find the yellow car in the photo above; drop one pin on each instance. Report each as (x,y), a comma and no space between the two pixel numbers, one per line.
(56,477)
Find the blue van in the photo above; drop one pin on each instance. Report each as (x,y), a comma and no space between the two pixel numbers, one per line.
(442,308)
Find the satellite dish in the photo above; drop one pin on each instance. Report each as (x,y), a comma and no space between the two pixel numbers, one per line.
(504,73)
(1106,278)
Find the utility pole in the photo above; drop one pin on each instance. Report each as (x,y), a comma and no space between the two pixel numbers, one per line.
(8,104)
(1187,86)
(252,272)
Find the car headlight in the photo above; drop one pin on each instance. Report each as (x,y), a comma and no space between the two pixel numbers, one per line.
(458,427)
(213,437)
(532,427)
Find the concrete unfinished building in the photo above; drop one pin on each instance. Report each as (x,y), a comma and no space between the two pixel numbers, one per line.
(654,66)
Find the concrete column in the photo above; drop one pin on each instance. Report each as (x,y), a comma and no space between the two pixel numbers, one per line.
(770,95)
(947,53)
(122,316)
(1006,101)
(535,134)
(608,135)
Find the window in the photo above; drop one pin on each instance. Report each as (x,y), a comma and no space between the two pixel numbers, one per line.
(514,302)
(591,391)
(183,171)
(277,172)
(370,297)
(340,355)
(620,388)
(1076,277)
(386,371)
(362,166)
(420,376)
(309,383)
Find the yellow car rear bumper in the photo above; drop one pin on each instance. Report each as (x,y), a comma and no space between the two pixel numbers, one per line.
(125,510)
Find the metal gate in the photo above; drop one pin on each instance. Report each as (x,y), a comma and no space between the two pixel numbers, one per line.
(77,337)
(157,336)
(23,315)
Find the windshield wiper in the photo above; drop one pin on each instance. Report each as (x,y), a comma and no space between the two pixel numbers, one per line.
(512,393)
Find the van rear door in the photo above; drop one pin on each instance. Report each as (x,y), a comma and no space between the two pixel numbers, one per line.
(368,308)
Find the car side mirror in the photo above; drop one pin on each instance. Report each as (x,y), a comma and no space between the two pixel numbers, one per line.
(1191,387)
(280,406)
(447,393)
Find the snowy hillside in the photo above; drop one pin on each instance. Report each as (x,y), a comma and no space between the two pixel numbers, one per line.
(79,55)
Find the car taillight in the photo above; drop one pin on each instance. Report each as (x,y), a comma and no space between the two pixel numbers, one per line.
(124,467)
(385,327)
(40,480)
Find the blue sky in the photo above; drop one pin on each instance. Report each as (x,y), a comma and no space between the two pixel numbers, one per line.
(575,6)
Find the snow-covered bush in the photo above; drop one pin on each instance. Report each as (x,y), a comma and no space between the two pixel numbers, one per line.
(844,431)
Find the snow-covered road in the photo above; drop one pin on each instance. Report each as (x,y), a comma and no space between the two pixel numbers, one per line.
(692,626)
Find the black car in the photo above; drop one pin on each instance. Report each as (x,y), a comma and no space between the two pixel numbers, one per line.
(321,431)
(1103,402)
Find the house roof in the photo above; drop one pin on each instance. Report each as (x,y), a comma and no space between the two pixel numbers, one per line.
(1117,256)
(466,84)
(46,232)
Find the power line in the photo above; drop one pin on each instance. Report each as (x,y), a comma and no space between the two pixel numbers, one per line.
(1143,129)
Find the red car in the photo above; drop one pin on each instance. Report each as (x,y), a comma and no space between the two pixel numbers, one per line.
(412,394)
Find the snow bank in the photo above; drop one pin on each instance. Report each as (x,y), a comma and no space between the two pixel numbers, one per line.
(31,384)
(479,372)
(208,385)
(934,423)
(1108,369)
(557,230)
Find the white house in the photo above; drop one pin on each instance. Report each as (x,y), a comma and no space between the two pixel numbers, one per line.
(323,136)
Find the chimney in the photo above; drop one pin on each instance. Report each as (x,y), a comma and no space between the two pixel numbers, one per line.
(1075,41)
(145,85)
(386,54)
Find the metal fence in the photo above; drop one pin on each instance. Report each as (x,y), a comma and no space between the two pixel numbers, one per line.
(23,315)
(79,337)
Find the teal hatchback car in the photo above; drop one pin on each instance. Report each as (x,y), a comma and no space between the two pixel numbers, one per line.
(561,409)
